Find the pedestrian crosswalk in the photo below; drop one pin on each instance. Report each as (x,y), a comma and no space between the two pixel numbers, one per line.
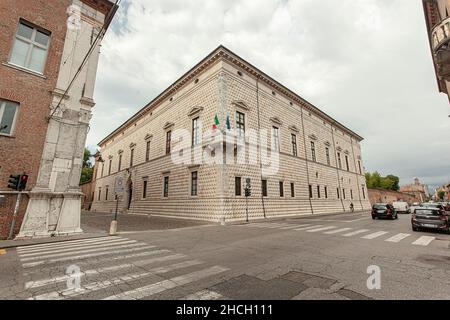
(95,268)
(347,232)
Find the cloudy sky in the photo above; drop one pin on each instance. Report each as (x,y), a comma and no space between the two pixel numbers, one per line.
(367,63)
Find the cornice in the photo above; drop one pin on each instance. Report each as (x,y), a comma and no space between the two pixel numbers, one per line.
(224,54)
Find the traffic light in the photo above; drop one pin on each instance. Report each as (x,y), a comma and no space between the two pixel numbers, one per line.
(22,182)
(13,182)
(248,192)
(18,181)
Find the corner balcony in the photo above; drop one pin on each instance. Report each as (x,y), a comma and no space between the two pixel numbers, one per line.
(440,42)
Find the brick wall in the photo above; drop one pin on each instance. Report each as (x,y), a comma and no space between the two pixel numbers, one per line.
(22,151)
(387,196)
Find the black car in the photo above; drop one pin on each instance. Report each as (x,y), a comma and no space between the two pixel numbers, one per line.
(384,210)
(430,217)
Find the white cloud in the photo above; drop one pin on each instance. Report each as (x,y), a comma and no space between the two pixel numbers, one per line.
(366,63)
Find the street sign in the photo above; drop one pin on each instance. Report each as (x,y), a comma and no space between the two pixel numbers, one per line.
(119,185)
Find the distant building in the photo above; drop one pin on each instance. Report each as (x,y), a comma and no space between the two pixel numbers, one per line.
(43,128)
(417,189)
(446,190)
(438,26)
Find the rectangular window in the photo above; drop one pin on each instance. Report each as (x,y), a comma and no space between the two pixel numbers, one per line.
(351,194)
(310,192)
(327,153)
(237,186)
(194,183)
(363,192)
(359,167)
(106,193)
(119,165)
(30,47)
(326,192)
(294,144)
(195,132)
(99,194)
(339,160)
(275,139)
(168,141)
(131,157)
(343,193)
(240,124)
(346,163)
(110,166)
(292,190)
(313,151)
(8,115)
(147,151)
(166,187)
(103,167)
(318,192)
(281,189)
(264,187)
(338,193)
(144,189)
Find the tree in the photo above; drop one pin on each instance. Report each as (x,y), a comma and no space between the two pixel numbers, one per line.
(87,169)
(441,194)
(375,180)
(396,182)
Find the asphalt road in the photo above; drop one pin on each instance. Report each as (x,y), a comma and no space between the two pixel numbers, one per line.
(314,257)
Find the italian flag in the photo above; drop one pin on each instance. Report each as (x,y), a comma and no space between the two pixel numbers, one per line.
(216,122)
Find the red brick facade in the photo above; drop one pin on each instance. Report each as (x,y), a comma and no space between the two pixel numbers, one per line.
(387,196)
(22,151)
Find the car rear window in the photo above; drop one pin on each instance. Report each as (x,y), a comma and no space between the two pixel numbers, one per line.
(379,206)
(429,212)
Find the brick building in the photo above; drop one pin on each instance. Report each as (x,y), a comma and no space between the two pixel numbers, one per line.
(42,44)
(438,27)
(189,152)
(416,189)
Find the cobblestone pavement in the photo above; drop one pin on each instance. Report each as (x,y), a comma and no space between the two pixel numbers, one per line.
(97,221)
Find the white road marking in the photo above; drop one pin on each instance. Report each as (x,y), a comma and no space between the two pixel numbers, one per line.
(164,285)
(295,226)
(306,228)
(134,264)
(354,233)
(374,235)
(397,238)
(203,295)
(64,243)
(98,285)
(337,231)
(102,260)
(321,229)
(78,247)
(84,256)
(423,241)
(82,251)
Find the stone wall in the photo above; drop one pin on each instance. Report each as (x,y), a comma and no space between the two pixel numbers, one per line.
(387,196)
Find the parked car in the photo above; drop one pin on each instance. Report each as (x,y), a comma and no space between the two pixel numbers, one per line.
(433,205)
(384,210)
(414,206)
(401,207)
(430,217)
